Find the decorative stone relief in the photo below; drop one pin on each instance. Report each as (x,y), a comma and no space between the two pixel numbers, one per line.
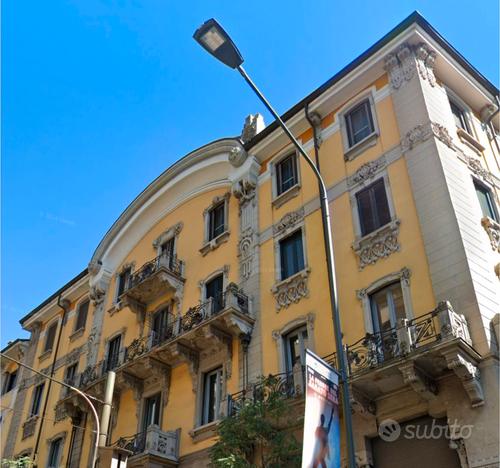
(492,228)
(291,290)
(475,166)
(254,123)
(288,221)
(361,404)
(168,234)
(244,190)
(367,171)
(245,252)
(442,134)
(97,294)
(376,245)
(401,64)
(425,58)
(468,373)
(237,156)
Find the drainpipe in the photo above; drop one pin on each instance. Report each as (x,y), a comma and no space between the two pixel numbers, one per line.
(64,305)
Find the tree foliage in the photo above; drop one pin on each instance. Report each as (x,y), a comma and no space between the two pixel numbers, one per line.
(260,434)
(22,462)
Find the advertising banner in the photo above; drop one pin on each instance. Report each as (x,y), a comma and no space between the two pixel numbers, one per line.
(321,446)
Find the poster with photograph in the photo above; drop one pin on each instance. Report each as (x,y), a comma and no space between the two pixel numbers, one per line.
(321,445)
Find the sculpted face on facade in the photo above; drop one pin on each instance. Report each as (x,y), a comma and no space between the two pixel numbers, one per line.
(215,275)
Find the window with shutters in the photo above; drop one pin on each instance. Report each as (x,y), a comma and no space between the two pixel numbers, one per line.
(81,315)
(291,252)
(486,201)
(50,338)
(373,207)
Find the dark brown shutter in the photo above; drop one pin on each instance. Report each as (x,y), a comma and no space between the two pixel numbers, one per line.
(51,335)
(366,218)
(382,207)
(81,319)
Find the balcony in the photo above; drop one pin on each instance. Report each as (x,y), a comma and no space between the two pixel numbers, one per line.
(162,275)
(214,322)
(414,354)
(153,447)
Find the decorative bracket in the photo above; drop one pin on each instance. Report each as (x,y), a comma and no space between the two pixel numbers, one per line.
(419,381)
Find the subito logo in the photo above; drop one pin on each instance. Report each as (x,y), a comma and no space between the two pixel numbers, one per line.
(389,430)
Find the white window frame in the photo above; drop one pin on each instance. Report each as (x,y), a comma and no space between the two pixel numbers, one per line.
(77,310)
(350,152)
(171,233)
(212,244)
(219,396)
(62,437)
(119,272)
(279,200)
(403,277)
(459,102)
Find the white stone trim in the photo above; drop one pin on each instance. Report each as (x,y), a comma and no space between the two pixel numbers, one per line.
(350,152)
(224,271)
(279,200)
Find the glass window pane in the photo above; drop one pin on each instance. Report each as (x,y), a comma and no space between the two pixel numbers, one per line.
(373,207)
(291,254)
(380,311)
(286,171)
(51,334)
(359,123)
(55,448)
(82,315)
(486,201)
(216,221)
(366,215)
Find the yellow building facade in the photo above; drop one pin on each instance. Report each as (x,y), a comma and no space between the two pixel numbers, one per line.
(216,275)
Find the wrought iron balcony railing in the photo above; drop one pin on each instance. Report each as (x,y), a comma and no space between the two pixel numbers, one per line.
(153,441)
(194,317)
(169,262)
(95,372)
(372,351)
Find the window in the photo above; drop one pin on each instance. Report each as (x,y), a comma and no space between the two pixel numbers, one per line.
(286,173)
(486,201)
(51,335)
(460,116)
(81,315)
(212,394)
(54,453)
(296,343)
(151,411)
(9,381)
(291,254)
(373,208)
(359,123)
(161,326)
(113,356)
(387,307)
(215,289)
(70,375)
(123,279)
(216,220)
(37,399)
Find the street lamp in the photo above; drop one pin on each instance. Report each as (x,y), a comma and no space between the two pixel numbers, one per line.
(212,37)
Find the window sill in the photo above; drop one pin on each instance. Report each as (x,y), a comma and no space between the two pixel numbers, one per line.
(77,334)
(44,355)
(207,431)
(469,140)
(282,198)
(215,242)
(360,146)
(377,244)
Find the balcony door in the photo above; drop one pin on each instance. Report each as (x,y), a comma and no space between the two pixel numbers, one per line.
(167,251)
(296,343)
(214,290)
(160,326)
(151,411)
(387,306)
(113,357)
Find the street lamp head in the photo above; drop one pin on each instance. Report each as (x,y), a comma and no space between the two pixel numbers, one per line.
(212,37)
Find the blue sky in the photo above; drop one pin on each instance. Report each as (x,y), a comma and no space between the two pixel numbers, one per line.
(99,97)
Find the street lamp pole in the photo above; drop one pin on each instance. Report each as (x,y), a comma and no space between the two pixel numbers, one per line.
(212,37)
